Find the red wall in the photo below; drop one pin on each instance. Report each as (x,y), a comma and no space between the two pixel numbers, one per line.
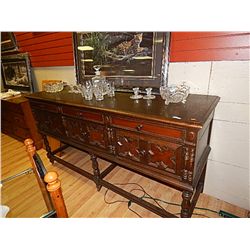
(209,46)
(47,48)
(56,48)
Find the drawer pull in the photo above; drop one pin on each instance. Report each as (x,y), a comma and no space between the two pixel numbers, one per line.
(84,134)
(142,152)
(139,127)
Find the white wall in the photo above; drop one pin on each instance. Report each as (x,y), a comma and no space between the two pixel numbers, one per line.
(66,73)
(228,168)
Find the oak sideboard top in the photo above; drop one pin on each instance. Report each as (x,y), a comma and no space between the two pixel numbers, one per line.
(193,113)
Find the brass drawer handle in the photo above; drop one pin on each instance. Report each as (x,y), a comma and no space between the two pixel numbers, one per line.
(139,127)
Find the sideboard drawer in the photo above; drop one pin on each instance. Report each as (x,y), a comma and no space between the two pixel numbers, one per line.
(150,128)
(45,106)
(84,114)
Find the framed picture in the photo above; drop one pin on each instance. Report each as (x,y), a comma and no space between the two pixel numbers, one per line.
(8,42)
(16,72)
(133,59)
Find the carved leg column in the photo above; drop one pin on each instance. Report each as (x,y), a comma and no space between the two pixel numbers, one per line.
(96,172)
(48,149)
(185,205)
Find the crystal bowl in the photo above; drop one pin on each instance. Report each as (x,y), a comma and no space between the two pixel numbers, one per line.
(53,87)
(174,93)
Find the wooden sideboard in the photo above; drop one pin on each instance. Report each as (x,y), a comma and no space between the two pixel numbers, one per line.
(169,144)
(17,120)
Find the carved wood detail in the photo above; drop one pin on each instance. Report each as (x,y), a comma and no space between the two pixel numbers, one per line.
(111,141)
(189,155)
(128,147)
(162,157)
(50,122)
(75,129)
(96,134)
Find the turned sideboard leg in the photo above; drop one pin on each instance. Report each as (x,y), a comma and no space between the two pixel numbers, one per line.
(186,204)
(96,171)
(48,149)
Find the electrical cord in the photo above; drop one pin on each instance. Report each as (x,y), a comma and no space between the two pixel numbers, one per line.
(179,205)
(111,202)
(156,200)
(134,212)
(129,203)
(141,189)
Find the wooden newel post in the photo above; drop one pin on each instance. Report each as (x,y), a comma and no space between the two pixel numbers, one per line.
(54,188)
(31,150)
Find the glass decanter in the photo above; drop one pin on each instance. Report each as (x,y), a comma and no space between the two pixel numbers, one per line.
(99,80)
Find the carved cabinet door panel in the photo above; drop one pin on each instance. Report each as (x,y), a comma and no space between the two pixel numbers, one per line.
(49,122)
(75,129)
(97,135)
(128,145)
(163,155)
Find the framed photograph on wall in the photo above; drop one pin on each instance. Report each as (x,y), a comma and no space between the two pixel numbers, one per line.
(8,42)
(132,58)
(16,72)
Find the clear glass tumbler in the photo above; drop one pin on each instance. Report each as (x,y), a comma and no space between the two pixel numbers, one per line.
(111,89)
(98,91)
(88,91)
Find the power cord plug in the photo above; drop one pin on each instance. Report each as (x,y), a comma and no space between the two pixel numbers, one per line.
(227,215)
(129,203)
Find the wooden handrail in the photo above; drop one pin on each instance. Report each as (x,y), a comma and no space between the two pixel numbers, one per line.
(31,150)
(54,188)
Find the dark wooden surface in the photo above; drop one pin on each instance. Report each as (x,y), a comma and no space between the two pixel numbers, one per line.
(17,120)
(194,113)
(169,144)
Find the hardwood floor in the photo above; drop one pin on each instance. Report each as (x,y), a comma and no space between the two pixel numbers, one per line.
(24,198)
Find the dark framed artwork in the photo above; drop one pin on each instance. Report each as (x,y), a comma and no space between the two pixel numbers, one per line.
(131,58)
(8,42)
(16,72)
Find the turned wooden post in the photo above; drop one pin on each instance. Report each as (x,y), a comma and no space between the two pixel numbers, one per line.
(96,171)
(48,148)
(54,188)
(31,150)
(186,204)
